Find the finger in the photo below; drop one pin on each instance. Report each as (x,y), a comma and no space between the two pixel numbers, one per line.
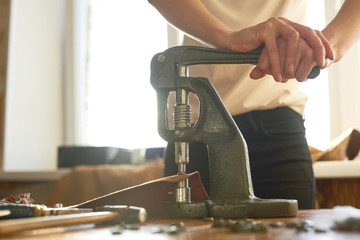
(313,39)
(273,53)
(291,37)
(303,46)
(304,61)
(328,49)
(256,73)
(328,62)
(290,73)
(292,41)
(262,67)
(264,63)
(304,68)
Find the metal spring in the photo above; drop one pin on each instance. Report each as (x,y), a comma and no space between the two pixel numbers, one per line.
(182,116)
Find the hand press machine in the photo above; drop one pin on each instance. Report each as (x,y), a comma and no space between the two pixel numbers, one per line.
(231,188)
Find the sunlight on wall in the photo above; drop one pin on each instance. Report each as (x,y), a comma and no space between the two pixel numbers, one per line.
(317,116)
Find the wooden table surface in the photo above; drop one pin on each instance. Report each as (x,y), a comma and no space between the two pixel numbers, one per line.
(199,229)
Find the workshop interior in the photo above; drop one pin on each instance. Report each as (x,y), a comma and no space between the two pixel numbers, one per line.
(84,126)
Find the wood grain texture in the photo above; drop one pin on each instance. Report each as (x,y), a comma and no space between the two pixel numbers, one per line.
(334,192)
(199,229)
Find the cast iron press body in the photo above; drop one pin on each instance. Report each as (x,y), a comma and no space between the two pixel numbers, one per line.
(231,188)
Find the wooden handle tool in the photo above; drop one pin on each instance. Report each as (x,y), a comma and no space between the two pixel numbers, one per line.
(113,215)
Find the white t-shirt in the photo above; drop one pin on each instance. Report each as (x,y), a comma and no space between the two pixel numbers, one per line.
(238,91)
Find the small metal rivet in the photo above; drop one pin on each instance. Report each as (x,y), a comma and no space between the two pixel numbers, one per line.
(58,205)
(161,58)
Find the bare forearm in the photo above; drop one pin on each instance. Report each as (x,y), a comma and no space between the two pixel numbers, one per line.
(344,31)
(193,18)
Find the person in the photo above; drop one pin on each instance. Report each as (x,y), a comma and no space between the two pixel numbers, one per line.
(264,100)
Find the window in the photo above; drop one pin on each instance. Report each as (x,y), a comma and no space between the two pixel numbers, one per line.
(121,104)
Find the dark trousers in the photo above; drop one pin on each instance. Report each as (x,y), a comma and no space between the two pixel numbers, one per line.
(280,161)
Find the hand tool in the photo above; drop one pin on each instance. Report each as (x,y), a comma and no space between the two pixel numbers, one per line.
(231,188)
(114,214)
(4,213)
(37,210)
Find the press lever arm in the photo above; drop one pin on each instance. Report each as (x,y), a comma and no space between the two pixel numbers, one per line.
(201,55)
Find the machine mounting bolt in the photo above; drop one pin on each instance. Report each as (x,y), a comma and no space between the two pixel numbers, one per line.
(161,58)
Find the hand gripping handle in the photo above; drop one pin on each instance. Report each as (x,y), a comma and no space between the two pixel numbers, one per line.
(190,55)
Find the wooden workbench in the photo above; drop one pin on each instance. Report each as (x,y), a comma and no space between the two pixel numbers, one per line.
(198,229)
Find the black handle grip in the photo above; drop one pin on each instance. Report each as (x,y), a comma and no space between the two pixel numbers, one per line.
(314,72)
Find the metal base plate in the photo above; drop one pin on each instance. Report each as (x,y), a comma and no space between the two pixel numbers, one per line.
(254,208)
(186,210)
(250,208)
